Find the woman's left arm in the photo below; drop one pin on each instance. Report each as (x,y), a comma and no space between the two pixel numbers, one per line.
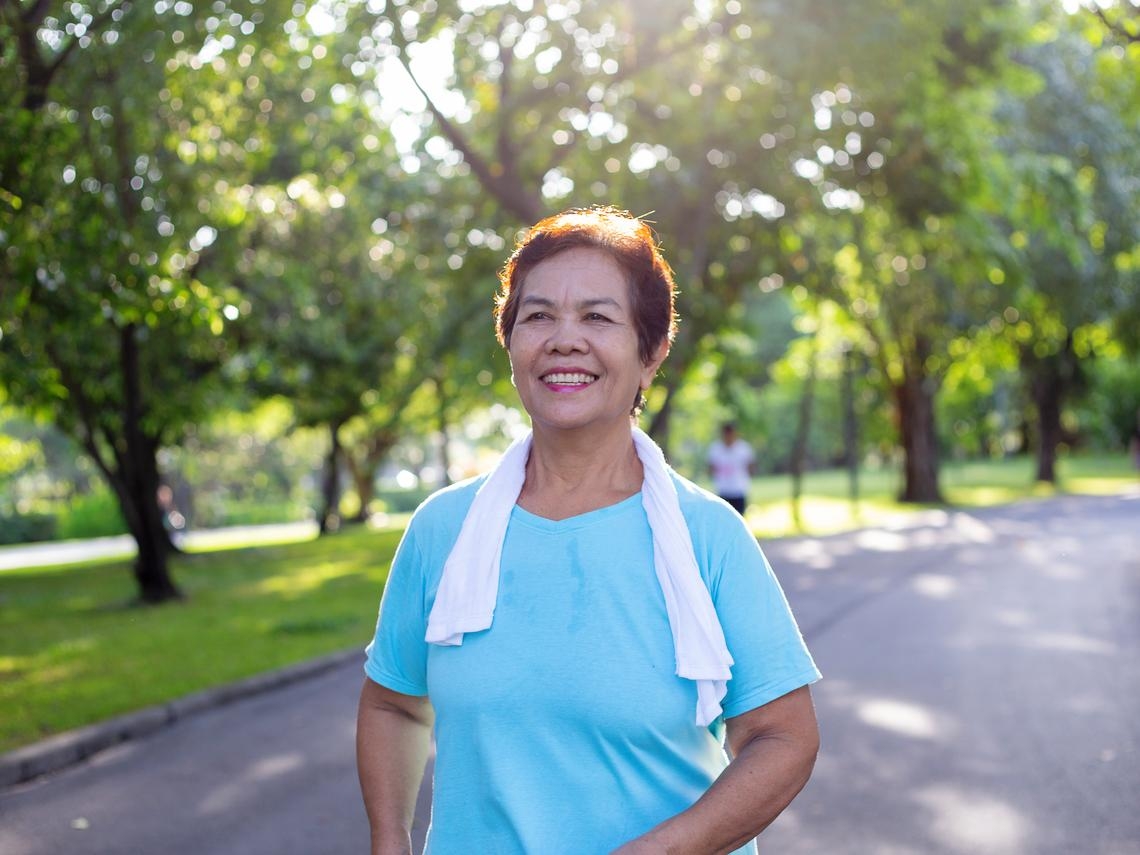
(773,752)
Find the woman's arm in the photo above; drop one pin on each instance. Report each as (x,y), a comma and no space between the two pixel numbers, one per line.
(393,737)
(773,752)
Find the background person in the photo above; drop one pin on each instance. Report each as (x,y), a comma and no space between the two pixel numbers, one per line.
(584,628)
(731,465)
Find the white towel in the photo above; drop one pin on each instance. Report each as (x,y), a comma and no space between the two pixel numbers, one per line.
(469,586)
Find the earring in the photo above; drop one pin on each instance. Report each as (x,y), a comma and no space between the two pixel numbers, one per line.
(638,404)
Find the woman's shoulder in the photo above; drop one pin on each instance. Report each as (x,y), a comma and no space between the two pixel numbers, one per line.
(446,507)
(722,541)
(439,518)
(701,508)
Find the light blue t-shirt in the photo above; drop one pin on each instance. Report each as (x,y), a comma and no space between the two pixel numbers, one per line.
(563,728)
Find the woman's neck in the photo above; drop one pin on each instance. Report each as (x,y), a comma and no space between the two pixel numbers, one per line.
(568,474)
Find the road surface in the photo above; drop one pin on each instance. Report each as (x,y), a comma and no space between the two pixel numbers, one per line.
(980,695)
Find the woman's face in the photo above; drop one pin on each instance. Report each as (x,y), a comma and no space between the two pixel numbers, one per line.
(573,348)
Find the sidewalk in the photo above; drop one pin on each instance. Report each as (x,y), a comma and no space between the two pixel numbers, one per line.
(123,546)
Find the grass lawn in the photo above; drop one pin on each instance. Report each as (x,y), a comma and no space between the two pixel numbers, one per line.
(825,506)
(76,650)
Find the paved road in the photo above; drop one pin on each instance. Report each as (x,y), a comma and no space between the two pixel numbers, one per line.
(981,685)
(980,696)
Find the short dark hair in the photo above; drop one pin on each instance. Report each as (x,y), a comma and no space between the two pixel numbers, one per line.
(627,239)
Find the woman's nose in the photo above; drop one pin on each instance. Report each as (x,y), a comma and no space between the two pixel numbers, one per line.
(566,337)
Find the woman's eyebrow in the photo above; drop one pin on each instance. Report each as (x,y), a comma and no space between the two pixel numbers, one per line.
(599,301)
(591,303)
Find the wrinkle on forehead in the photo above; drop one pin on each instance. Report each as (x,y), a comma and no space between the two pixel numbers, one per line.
(588,263)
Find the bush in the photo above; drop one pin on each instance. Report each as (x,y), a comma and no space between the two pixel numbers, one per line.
(400,501)
(95,514)
(26,528)
(231,512)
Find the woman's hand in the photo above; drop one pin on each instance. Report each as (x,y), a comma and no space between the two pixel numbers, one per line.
(773,749)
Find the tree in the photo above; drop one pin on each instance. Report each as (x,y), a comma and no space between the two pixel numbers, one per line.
(627,104)
(915,259)
(706,116)
(357,277)
(115,302)
(1073,217)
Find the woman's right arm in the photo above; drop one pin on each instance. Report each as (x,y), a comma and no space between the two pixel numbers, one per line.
(393,738)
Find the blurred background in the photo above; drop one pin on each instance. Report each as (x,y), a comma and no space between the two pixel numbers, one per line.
(248,249)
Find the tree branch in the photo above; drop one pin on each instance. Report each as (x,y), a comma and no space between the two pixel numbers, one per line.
(491,176)
(96,23)
(1118,27)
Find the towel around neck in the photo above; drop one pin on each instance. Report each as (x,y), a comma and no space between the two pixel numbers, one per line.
(468,589)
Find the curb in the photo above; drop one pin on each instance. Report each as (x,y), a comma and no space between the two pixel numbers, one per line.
(74,746)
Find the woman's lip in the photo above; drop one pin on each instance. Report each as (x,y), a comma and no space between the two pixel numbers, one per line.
(568,369)
(567,387)
(563,377)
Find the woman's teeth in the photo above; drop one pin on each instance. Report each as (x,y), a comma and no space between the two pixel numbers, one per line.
(569,379)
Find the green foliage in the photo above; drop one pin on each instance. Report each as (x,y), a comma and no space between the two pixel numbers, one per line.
(26,528)
(16,456)
(96,514)
(245,466)
(249,512)
(267,205)
(1109,412)
(400,501)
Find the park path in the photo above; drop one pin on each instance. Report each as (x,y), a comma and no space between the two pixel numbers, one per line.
(123,546)
(979,696)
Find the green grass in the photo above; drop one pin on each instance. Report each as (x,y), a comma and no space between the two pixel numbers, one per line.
(825,506)
(76,650)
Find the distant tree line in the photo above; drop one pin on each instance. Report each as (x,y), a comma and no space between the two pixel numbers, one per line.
(929,208)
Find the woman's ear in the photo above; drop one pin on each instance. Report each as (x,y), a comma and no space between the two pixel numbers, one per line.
(650,368)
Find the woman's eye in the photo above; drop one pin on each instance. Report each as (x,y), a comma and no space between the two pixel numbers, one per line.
(536,316)
(594,316)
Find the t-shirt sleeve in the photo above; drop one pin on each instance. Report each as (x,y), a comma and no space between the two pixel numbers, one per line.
(397,656)
(770,657)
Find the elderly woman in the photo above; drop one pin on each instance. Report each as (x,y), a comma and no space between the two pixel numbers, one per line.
(586,630)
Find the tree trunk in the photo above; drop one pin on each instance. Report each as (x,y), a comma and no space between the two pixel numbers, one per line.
(144,521)
(798,462)
(850,425)
(330,485)
(363,469)
(914,402)
(362,480)
(137,482)
(1047,397)
(1051,380)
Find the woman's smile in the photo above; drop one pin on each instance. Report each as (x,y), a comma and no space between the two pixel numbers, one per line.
(568,381)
